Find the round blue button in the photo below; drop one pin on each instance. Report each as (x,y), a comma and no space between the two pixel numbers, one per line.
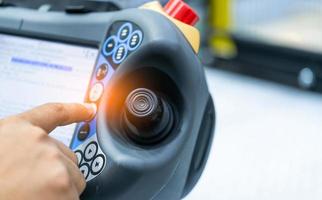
(120,54)
(109,46)
(135,40)
(124,32)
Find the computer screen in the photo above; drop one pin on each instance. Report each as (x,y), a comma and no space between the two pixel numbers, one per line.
(34,72)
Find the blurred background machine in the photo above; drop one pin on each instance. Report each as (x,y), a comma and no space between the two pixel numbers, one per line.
(279,40)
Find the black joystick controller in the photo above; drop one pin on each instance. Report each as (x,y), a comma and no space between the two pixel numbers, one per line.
(154,127)
(148,117)
(142,143)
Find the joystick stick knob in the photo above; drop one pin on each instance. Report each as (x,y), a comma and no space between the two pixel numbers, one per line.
(181,11)
(147,116)
(143,106)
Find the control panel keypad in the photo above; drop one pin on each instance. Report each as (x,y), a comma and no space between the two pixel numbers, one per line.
(91,159)
(122,38)
(128,37)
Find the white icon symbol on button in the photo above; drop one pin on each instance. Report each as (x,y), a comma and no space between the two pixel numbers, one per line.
(98,164)
(120,52)
(110,45)
(124,32)
(96,92)
(90,151)
(134,40)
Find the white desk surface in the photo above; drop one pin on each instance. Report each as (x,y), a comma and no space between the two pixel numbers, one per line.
(268,142)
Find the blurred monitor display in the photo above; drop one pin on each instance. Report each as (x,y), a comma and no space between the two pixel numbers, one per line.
(35,72)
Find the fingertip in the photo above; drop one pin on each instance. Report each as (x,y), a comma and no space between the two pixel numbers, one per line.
(91,109)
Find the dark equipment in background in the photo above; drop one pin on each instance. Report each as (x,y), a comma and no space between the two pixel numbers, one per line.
(291,66)
(274,40)
(284,65)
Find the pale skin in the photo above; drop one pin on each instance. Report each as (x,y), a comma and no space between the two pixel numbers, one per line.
(35,166)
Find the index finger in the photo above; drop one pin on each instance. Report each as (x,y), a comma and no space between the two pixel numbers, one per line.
(52,115)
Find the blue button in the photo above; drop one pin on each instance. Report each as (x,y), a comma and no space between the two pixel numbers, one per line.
(109,46)
(124,32)
(120,54)
(135,40)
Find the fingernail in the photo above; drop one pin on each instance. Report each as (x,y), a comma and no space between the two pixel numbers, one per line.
(92,109)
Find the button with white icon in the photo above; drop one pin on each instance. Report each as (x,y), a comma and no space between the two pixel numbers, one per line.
(90,151)
(84,168)
(83,132)
(120,54)
(109,46)
(124,32)
(97,164)
(135,40)
(96,92)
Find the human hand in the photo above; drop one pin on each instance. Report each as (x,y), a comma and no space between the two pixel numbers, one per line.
(34,166)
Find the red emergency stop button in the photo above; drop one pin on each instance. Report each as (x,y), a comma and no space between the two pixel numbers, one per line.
(181,11)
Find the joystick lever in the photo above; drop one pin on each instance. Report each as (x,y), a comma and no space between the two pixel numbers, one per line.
(148,117)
